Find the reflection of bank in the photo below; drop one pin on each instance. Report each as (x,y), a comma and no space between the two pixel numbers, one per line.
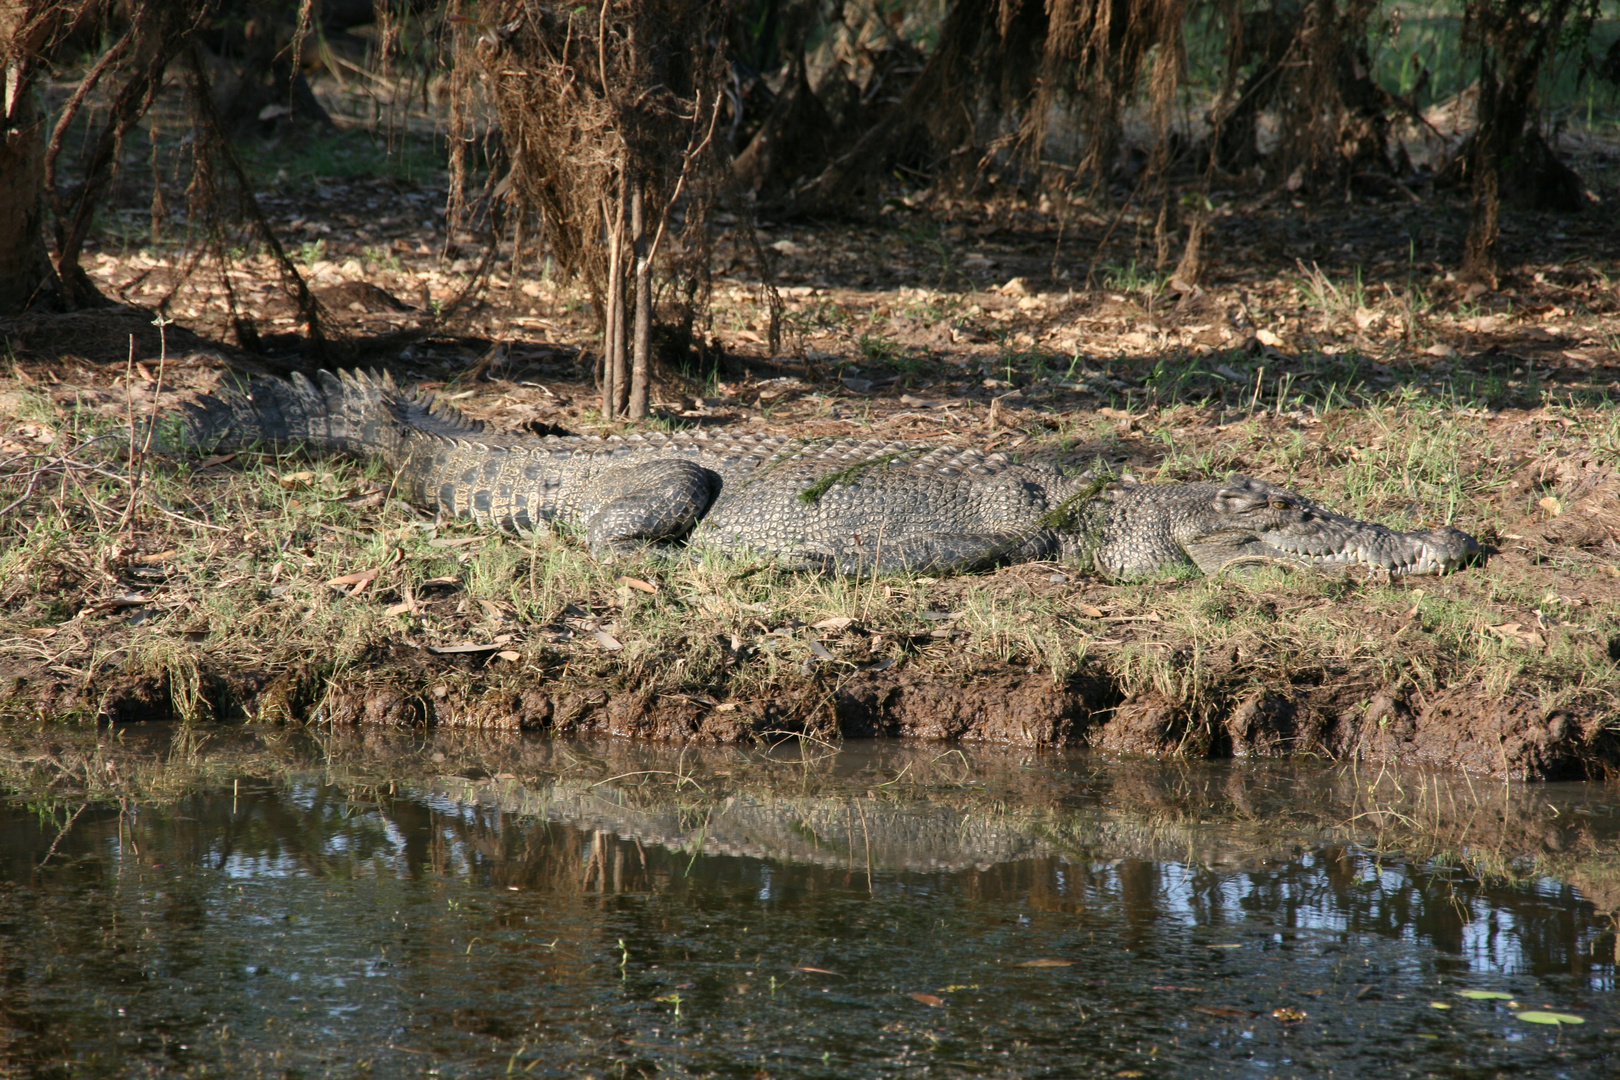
(879,806)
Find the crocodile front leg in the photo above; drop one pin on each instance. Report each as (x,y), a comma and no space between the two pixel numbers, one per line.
(627,506)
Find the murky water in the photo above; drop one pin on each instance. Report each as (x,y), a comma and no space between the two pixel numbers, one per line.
(488,908)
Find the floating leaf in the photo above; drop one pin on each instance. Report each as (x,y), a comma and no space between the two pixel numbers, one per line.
(1230,945)
(1536,1016)
(1222,1011)
(1485,995)
(1045,961)
(1438,1005)
(933,1001)
(818,971)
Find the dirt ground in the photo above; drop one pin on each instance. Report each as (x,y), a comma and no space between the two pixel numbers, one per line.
(1326,350)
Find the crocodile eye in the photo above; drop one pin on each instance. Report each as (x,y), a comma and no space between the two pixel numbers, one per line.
(1279,504)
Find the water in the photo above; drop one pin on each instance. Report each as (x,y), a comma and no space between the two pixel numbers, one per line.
(260,906)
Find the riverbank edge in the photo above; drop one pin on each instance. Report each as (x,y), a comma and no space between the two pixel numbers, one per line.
(1325,715)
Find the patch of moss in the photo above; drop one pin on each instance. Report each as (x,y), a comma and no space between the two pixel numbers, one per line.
(812,494)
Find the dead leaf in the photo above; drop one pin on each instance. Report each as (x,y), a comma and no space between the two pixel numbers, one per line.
(1045,962)
(1266,337)
(404,607)
(1516,633)
(359,580)
(818,971)
(296,479)
(1222,1011)
(1091,612)
(640,586)
(837,622)
(217,459)
(445,581)
(510,655)
(1551,505)
(40,631)
(492,609)
(933,1001)
(453,542)
(608,641)
(819,650)
(464,647)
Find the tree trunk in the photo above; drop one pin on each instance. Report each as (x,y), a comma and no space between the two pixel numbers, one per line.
(1517,39)
(1493,139)
(640,371)
(613,373)
(26,274)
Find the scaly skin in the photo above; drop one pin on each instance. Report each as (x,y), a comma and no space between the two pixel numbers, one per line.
(844,505)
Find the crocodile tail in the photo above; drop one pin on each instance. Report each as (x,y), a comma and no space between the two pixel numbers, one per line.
(357,413)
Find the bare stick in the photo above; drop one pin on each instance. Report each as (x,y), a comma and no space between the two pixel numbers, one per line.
(690,156)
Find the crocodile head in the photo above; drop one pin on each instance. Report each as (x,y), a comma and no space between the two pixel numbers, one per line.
(1253,519)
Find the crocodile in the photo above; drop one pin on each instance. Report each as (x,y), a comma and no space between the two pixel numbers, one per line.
(847,505)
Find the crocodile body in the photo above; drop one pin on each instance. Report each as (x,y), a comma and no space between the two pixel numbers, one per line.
(847,505)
